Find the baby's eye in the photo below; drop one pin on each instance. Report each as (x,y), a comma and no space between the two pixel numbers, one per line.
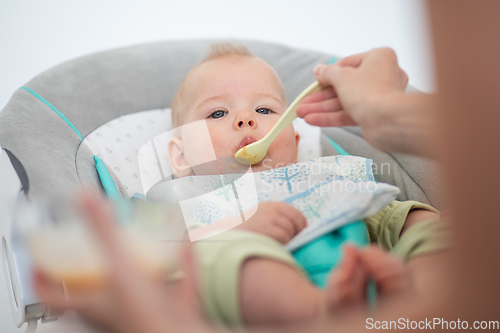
(218,114)
(263,110)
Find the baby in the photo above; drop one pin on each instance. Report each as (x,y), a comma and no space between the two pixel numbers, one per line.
(241,97)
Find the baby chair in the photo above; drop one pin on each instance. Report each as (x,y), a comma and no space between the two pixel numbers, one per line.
(108,105)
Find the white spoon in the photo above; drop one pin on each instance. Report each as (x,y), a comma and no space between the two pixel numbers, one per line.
(255,152)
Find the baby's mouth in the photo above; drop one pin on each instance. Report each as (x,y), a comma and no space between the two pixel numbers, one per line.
(244,142)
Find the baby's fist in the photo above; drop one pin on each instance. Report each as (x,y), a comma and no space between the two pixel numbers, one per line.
(277,220)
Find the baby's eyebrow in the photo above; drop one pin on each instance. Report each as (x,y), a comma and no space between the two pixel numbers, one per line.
(272,97)
(217,97)
(208,100)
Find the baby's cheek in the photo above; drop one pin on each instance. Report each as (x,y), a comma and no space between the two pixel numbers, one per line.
(219,145)
(197,144)
(282,150)
(200,152)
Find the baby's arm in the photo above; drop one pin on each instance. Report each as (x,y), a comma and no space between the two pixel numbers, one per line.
(416,233)
(274,292)
(424,240)
(248,277)
(395,220)
(418,215)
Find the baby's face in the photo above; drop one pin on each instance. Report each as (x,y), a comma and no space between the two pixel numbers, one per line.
(240,99)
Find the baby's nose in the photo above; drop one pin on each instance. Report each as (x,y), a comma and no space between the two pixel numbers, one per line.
(244,120)
(250,123)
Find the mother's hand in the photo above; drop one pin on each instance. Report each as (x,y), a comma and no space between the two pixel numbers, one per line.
(368,90)
(129,302)
(356,83)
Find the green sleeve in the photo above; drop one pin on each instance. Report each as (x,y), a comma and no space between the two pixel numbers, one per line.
(385,227)
(423,238)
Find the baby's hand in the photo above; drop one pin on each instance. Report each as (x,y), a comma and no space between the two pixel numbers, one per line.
(277,220)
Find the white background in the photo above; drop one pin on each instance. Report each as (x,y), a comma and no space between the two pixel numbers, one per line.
(36,35)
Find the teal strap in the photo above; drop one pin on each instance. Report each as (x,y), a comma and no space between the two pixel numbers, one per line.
(106,180)
(112,193)
(333,60)
(337,147)
(371,293)
(54,109)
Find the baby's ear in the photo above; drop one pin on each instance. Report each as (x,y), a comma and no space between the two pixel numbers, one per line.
(180,166)
(297,139)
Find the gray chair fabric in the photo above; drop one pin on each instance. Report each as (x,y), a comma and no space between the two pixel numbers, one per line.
(417,178)
(94,89)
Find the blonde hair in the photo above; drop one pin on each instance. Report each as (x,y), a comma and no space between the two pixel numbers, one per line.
(222,49)
(217,50)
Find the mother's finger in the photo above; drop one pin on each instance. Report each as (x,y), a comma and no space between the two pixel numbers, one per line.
(48,291)
(330,119)
(329,105)
(121,269)
(388,271)
(188,287)
(101,219)
(353,60)
(53,294)
(321,95)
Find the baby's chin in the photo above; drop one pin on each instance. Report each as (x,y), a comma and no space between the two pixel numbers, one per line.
(229,166)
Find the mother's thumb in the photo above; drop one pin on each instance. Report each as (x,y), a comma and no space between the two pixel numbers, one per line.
(318,69)
(327,74)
